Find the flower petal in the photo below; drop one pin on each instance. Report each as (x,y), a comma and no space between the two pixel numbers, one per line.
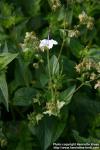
(46,43)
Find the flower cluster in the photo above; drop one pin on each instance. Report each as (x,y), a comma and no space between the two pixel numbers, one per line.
(88,64)
(73,33)
(53,108)
(31,42)
(86,20)
(34,118)
(89,71)
(54,4)
(30,49)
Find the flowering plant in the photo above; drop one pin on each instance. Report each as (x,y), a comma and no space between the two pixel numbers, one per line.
(49,88)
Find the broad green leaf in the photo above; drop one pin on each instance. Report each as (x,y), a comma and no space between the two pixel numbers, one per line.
(4,88)
(19,136)
(94,53)
(22,76)
(51,130)
(5,59)
(25,140)
(76,47)
(68,67)
(62,33)
(61,14)
(43,79)
(22,72)
(85,107)
(81,139)
(95,131)
(24,96)
(67,94)
(69,16)
(54,65)
(29,7)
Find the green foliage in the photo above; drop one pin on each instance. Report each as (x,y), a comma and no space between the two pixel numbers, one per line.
(51,130)
(5,59)
(84,140)
(66,95)
(23,96)
(49,93)
(9,17)
(76,48)
(4,89)
(54,65)
(18,136)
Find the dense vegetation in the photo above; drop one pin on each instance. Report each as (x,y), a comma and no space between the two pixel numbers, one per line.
(49,73)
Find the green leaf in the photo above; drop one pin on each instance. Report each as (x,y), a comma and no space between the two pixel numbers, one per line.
(19,136)
(67,94)
(94,53)
(54,65)
(22,72)
(68,67)
(5,49)
(29,7)
(5,59)
(61,14)
(95,131)
(69,16)
(43,79)
(85,107)
(51,130)
(24,96)
(76,47)
(81,139)
(4,89)
(25,139)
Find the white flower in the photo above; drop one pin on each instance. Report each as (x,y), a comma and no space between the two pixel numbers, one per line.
(54,108)
(46,43)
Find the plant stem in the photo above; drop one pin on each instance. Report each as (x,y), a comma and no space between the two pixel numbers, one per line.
(48,63)
(62,45)
(79,87)
(85,83)
(61,49)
